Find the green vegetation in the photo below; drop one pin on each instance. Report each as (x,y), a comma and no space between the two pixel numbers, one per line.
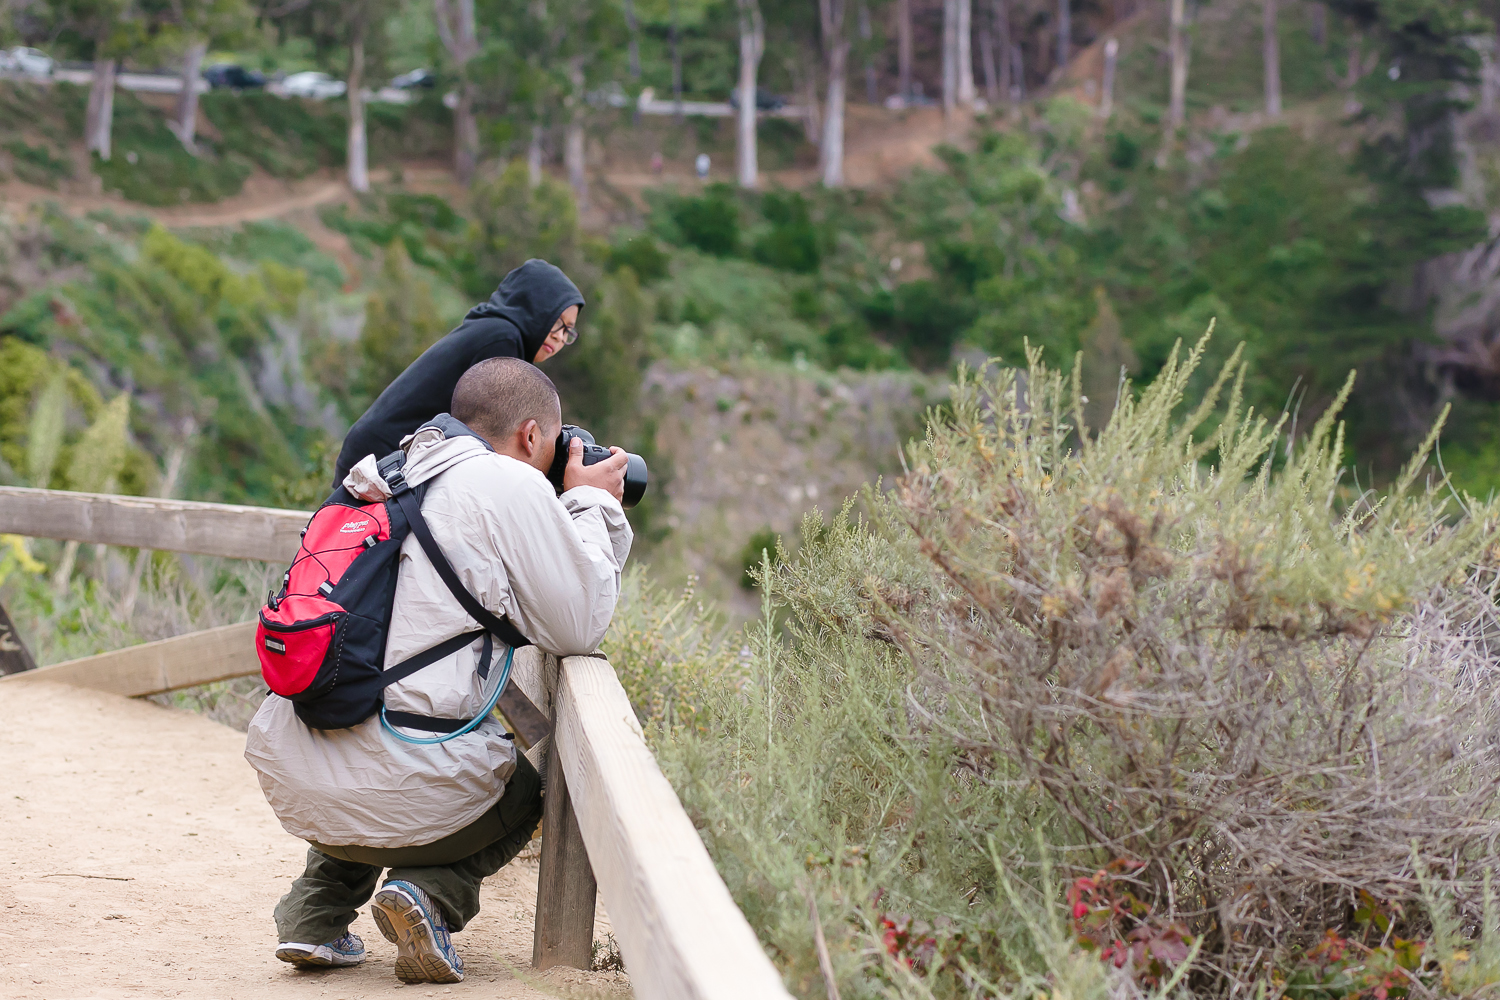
(37,164)
(150,166)
(284,138)
(176,324)
(1050,659)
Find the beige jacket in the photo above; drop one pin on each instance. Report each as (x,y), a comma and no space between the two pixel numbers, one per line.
(552,565)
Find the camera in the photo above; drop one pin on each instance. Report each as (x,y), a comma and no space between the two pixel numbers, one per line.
(635,471)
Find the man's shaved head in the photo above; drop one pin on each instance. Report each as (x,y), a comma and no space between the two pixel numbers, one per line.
(495,397)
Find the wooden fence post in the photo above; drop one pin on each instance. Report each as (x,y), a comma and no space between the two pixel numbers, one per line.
(14,656)
(566,890)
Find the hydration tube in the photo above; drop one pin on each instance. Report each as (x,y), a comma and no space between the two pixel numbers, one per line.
(469,727)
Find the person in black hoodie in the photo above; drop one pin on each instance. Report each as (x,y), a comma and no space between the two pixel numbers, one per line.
(531,316)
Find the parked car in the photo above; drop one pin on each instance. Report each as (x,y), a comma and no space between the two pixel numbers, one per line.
(764,100)
(416,78)
(318,86)
(26,61)
(233,76)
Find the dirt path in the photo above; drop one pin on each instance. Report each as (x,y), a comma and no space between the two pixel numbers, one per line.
(140,860)
(262,198)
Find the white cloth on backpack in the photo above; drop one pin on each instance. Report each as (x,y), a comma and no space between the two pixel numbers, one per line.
(552,565)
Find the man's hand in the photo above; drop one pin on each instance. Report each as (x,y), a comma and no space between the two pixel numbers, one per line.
(608,475)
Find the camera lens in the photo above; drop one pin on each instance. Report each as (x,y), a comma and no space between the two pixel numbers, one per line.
(636,475)
(635,481)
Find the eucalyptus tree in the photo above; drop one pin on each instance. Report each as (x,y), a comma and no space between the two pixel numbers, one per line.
(457,28)
(835,35)
(345,34)
(103,32)
(185,29)
(752,46)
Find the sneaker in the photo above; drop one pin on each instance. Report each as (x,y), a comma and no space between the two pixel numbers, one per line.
(347,950)
(409,918)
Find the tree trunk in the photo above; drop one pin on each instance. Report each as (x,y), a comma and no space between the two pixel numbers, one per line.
(573,159)
(836,50)
(903,47)
(1177,46)
(1271,54)
(987,59)
(806,74)
(573,138)
(1065,32)
(358,157)
(534,156)
(465,135)
(965,53)
(187,99)
(866,33)
(1107,96)
(1018,70)
(752,44)
(455,25)
(633,26)
(1000,25)
(99,116)
(676,67)
(950,55)
(1487,79)
(1352,72)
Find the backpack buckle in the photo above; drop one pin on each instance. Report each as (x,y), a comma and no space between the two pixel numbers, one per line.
(391,470)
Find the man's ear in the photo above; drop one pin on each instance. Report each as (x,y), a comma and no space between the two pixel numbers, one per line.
(529,437)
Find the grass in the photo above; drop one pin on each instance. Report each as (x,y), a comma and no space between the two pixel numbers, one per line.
(970,724)
(149,164)
(285,138)
(39,165)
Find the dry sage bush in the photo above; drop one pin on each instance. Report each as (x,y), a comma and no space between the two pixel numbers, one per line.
(1263,691)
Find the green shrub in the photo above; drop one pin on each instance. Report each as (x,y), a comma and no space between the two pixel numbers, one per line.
(149,165)
(792,242)
(711,221)
(671,653)
(641,254)
(285,138)
(1223,698)
(37,164)
(763,545)
(782,143)
(515,221)
(921,318)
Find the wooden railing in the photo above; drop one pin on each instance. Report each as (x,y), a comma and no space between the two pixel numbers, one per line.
(612,824)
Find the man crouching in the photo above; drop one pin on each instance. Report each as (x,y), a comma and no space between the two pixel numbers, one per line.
(441,816)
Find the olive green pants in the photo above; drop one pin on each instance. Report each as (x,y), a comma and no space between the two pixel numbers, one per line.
(339,880)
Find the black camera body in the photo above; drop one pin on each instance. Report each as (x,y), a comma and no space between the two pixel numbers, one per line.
(635,472)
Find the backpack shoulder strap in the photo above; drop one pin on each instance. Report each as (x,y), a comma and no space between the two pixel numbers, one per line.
(501,627)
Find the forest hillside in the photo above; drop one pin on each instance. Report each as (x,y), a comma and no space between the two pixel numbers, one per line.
(1005,632)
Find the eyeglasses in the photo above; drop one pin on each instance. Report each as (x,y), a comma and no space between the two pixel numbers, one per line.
(570,333)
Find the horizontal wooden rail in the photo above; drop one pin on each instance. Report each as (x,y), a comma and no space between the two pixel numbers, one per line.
(679,931)
(210,529)
(214,654)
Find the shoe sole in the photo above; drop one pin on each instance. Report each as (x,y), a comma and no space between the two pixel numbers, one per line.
(404,924)
(313,957)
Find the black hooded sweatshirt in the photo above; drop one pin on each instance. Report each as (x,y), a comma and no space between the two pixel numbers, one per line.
(512,324)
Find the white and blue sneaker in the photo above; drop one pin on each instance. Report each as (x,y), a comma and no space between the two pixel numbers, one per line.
(409,918)
(347,950)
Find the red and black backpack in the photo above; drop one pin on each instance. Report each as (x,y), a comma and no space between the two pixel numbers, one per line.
(322,639)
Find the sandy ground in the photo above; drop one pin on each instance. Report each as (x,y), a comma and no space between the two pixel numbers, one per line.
(140,860)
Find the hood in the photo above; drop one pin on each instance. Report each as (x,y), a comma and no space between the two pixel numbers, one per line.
(436,447)
(531,297)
